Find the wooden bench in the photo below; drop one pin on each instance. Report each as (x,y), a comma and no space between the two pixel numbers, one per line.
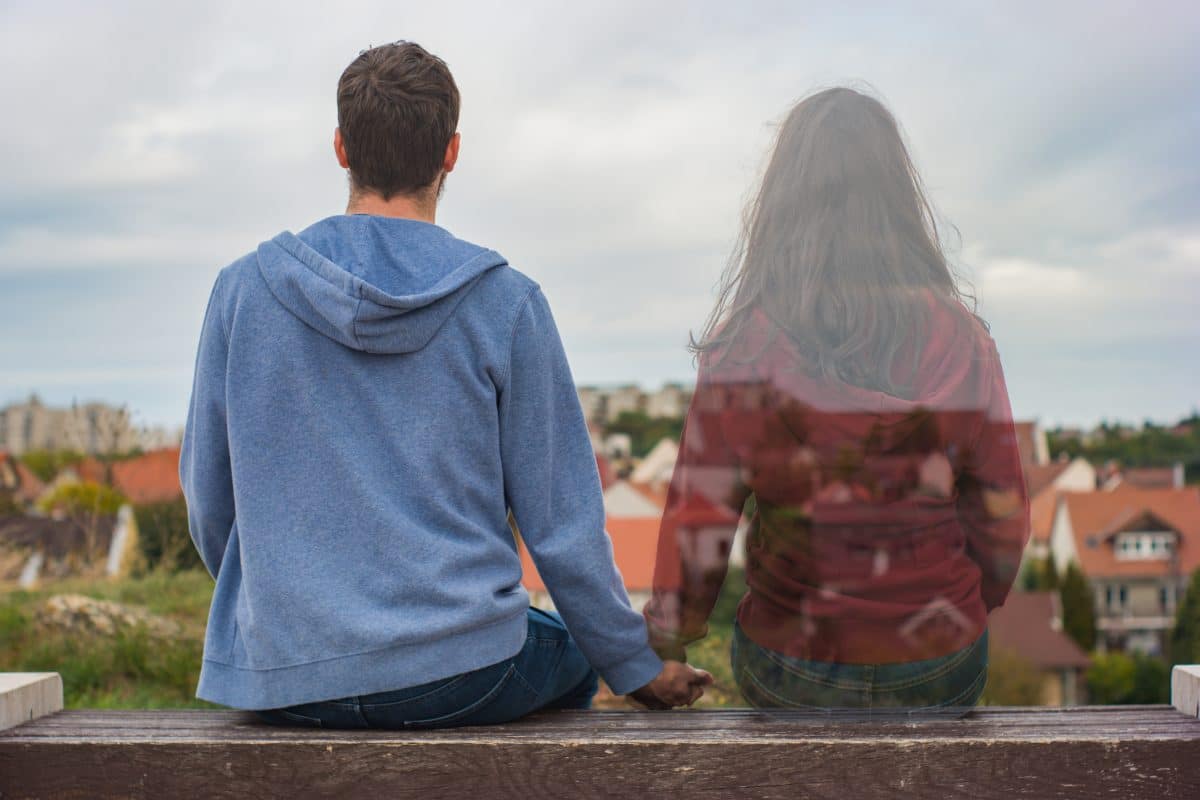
(1113,752)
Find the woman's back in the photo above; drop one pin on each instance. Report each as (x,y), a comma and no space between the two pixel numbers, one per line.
(847,388)
(872,540)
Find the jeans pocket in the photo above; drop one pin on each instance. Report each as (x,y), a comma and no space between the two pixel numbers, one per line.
(474,704)
(465,699)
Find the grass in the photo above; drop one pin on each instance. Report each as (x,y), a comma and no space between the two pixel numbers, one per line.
(130,669)
(134,669)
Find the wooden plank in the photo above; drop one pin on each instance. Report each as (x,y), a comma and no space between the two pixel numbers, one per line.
(804,769)
(1185,689)
(25,696)
(1132,753)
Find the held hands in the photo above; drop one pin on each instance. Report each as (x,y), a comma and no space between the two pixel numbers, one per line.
(677,685)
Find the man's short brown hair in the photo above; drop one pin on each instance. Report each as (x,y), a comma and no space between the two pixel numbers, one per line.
(397,110)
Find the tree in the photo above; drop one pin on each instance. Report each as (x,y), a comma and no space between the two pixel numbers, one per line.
(1049,577)
(85,503)
(1078,613)
(644,431)
(1120,678)
(1185,636)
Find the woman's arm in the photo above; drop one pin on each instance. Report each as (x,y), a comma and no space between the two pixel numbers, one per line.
(993,504)
(704,505)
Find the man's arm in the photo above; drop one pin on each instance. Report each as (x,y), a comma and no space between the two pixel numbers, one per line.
(204,466)
(553,489)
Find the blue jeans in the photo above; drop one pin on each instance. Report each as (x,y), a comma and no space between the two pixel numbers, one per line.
(548,672)
(937,687)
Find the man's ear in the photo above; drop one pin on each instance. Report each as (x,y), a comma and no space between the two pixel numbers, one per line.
(339,148)
(452,153)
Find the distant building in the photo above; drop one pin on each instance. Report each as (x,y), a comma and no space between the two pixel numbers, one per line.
(605,405)
(1029,625)
(1143,477)
(1137,548)
(593,401)
(669,401)
(634,542)
(625,500)
(658,465)
(1032,443)
(617,446)
(89,428)
(622,400)
(1044,483)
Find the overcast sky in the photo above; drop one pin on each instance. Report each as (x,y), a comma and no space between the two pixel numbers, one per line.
(608,154)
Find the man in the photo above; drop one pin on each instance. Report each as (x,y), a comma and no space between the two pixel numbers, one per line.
(372,398)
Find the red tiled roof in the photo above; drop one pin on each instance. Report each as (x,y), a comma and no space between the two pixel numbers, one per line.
(635,544)
(1023,626)
(607,473)
(29,487)
(1039,477)
(90,469)
(149,478)
(1042,508)
(1096,515)
(1149,477)
(654,493)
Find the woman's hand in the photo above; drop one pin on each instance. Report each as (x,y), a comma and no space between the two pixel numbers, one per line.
(678,684)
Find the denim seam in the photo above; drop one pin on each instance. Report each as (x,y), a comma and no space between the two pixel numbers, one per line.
(926,677)
(832,684)
(471,708)
(783,703)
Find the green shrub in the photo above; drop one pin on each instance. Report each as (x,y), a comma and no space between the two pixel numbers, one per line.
(1123,678)
(163,539)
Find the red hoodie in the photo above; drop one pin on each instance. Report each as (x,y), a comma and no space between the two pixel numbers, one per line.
(884,528)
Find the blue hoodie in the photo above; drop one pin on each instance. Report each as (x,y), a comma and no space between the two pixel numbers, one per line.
(371,399)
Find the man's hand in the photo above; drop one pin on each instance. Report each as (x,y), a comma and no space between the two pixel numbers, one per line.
(677,685)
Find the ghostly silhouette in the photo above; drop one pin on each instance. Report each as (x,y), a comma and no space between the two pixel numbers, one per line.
(851,403)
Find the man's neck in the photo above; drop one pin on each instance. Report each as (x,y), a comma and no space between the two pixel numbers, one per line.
(400,207)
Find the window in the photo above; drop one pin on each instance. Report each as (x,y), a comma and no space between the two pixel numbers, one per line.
(1143,545)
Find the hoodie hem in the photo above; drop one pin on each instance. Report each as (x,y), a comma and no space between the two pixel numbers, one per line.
(384,670)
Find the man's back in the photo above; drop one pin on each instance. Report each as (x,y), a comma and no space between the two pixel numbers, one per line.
(366,371)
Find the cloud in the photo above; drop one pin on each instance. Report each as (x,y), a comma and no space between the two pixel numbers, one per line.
(608,152)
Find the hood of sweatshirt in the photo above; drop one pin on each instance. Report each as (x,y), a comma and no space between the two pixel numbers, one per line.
(375,284)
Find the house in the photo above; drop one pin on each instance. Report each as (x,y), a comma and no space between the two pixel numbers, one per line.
(1044,483)
(659,463)
(634,542)
(1032,443)
(1137,548)
(626,500)
(18,484)
(669,401)
(621,400)
(1143,477)
(149,478)
(1044,480)
(33,548)
(1029,625)
(633,516)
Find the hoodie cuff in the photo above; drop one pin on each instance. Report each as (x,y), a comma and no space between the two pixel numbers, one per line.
(632,673)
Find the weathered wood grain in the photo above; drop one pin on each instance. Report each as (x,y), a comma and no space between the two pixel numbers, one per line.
(1129,752)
